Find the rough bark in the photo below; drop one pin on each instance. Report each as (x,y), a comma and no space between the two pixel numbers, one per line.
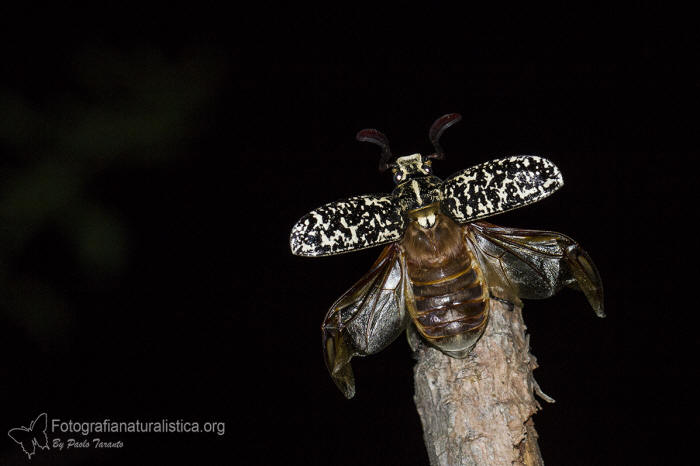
(478,410)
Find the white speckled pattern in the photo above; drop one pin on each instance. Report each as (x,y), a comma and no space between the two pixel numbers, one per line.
(499,186)
(349,225)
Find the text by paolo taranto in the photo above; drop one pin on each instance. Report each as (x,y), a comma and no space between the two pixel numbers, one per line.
(71,444)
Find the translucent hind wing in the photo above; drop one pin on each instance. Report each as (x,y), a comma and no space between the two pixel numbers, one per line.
(534,264)
(366,319)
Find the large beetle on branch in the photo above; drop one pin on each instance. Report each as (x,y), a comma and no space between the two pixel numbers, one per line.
(441,266)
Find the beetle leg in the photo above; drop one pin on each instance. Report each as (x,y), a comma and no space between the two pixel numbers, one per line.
(510,305)
(414,340)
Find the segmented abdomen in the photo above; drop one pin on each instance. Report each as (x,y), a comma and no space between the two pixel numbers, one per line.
(453,304)
(450,297)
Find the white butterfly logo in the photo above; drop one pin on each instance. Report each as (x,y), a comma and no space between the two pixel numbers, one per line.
(31,437)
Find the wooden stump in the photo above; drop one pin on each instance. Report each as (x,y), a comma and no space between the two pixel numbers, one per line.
(478,410)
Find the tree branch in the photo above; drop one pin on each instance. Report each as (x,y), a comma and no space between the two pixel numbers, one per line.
(478,410)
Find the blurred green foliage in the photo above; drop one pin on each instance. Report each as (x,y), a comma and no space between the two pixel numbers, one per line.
(104,110)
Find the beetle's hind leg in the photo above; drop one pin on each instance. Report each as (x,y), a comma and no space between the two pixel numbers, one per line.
(509,304)
(414,339)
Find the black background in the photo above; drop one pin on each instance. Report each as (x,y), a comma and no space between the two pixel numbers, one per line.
(151,174)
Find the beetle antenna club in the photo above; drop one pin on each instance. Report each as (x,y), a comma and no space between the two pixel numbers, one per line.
(436,130)
(378,138)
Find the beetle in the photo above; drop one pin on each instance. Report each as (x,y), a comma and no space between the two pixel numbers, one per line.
(442,265)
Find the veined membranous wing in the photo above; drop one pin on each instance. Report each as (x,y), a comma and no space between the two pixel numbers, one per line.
(534,264)
(366,318)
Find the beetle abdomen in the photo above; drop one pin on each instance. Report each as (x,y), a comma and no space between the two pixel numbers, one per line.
(450,298)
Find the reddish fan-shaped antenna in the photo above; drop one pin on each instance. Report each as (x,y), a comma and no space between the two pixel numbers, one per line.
(378,138)
(436,130)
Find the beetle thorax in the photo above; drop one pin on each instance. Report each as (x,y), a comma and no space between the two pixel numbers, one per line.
(417,194)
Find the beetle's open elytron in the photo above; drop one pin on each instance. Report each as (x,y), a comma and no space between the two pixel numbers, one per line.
(442,267)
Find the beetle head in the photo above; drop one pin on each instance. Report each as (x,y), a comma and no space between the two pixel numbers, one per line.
(410,167)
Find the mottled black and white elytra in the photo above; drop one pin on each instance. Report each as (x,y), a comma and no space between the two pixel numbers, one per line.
(442,265)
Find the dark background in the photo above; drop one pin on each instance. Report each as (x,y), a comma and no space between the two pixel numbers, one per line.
(150,174)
